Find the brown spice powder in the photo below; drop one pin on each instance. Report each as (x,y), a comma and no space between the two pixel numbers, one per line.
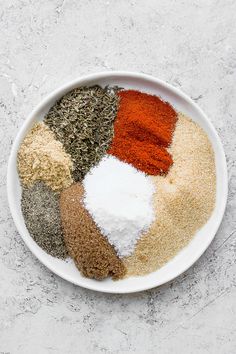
(184,199)
(92,253)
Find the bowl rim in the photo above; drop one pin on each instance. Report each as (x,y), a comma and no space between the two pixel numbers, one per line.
(79,81)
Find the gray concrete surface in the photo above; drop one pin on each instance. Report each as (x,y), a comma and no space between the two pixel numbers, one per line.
(190,44)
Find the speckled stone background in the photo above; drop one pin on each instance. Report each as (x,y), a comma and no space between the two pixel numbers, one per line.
(190,44)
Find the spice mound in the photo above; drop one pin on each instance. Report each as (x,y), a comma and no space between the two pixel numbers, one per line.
(119,198)
(83,121)
(40,208)
(183,202)
(92,253)
(42,157)
(143,130)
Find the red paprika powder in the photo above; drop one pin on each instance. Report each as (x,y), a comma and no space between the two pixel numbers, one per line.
(143,132)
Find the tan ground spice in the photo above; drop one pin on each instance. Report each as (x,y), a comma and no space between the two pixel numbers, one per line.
(92,253)
(184,199)
(42,157)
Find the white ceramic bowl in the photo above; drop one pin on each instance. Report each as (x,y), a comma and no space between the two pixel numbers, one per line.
(189,254)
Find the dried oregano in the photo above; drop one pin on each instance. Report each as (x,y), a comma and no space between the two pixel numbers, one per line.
(83,121)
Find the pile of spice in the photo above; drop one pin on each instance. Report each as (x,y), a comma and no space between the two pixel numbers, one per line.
(40,208)
(143,132)
(91,251)
(119,198)
(183,202)
(42,157)
(116,179)
(82,121)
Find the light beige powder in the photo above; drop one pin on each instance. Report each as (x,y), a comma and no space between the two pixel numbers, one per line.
(184,199)
(42,157)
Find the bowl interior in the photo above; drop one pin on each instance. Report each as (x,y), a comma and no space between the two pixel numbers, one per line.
(189,254)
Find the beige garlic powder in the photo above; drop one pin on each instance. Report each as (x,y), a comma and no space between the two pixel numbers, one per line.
(183,202)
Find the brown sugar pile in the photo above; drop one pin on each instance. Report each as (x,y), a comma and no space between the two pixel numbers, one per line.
(92,253)
(42,157)
(183,202)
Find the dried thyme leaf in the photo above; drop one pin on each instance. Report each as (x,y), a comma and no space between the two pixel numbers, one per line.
(83,121)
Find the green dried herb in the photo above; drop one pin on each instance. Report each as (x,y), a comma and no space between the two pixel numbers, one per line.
(40,208)
(83,121)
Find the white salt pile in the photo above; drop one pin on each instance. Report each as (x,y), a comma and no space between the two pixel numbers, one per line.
(119,198)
